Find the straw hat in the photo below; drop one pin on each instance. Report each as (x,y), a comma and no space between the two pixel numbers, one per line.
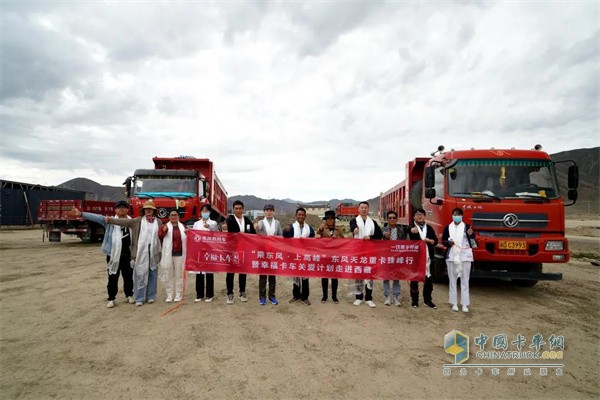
(149,204)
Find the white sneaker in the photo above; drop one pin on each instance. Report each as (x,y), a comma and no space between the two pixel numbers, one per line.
(111,304)
(465,309)
(169,299)
(370,303)
(208,299)
(243,297)
(357,302)
(229,299)
(139,304)
(396,302)
(150,301)
(130,300)
(387,302)
(198,300)
(177,299)
(454,308)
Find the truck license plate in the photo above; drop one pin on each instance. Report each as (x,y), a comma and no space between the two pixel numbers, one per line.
(512,245)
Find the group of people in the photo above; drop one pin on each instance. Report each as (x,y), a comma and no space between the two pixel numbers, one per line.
(143,250)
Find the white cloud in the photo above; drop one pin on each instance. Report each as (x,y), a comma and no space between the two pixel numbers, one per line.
(303,100)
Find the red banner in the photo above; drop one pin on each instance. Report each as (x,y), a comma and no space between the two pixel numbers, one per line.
(310,258)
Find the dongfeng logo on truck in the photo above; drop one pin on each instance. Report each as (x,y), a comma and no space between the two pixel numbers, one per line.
(511,220)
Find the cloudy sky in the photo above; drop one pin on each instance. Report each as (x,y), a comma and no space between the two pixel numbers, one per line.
(304,100)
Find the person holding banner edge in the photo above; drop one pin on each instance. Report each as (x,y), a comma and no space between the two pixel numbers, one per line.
(173,238)
(329,230)
(238,223)
(364,228)
(205,224)
(392,231)
(419,230)
(269,226)
(299,229)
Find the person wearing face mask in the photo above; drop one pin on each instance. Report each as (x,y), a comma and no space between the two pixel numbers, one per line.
(459,256)
(421,231)
(205,224)
(173,238)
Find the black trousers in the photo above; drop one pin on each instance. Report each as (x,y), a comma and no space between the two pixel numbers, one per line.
(334,286)
(427,289)
(113,280)
(229,282)
(262,285)
(301,292)
(210,286)
(368,294)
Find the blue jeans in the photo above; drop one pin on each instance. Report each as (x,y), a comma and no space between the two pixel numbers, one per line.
(149,292)
(396,288)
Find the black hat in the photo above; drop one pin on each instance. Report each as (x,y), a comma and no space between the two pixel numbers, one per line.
(329,214)
(121,203)
(269,206)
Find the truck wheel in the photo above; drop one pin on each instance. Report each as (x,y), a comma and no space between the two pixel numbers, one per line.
(438,270)
(528,282)
(416,200)
(86,237)
(54,236)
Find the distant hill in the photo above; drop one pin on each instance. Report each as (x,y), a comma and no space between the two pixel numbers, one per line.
(589,179)
(94,190)
(588,202)
(287,207)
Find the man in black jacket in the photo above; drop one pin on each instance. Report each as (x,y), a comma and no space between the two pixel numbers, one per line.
(237,223)
(421,231)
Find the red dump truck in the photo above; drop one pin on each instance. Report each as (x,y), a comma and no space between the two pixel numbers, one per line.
(55,216)
(346,211)
(510,197)
(181,183)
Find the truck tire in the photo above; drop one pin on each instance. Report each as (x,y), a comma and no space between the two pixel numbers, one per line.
(529,282)
(416,191)
(54,236)
(86,237)
(438,270)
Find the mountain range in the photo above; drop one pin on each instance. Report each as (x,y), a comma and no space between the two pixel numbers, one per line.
(588,201)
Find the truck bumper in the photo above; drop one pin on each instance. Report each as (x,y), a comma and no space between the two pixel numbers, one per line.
(526,276)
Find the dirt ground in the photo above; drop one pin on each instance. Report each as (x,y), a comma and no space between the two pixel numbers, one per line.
(58,339)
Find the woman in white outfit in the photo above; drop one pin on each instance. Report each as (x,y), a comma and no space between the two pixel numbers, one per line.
(459,257)
(173,238)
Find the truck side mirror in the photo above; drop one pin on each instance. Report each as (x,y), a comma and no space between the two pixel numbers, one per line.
(429,193)
(429,179)
(572,195)
(127,184)
(573,178)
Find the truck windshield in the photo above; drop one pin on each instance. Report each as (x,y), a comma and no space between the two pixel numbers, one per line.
(165,185)
(503,179)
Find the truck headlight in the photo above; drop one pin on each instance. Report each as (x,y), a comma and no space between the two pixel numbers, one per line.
(555,245)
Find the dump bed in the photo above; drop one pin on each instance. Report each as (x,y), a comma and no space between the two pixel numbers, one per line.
(54,210)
